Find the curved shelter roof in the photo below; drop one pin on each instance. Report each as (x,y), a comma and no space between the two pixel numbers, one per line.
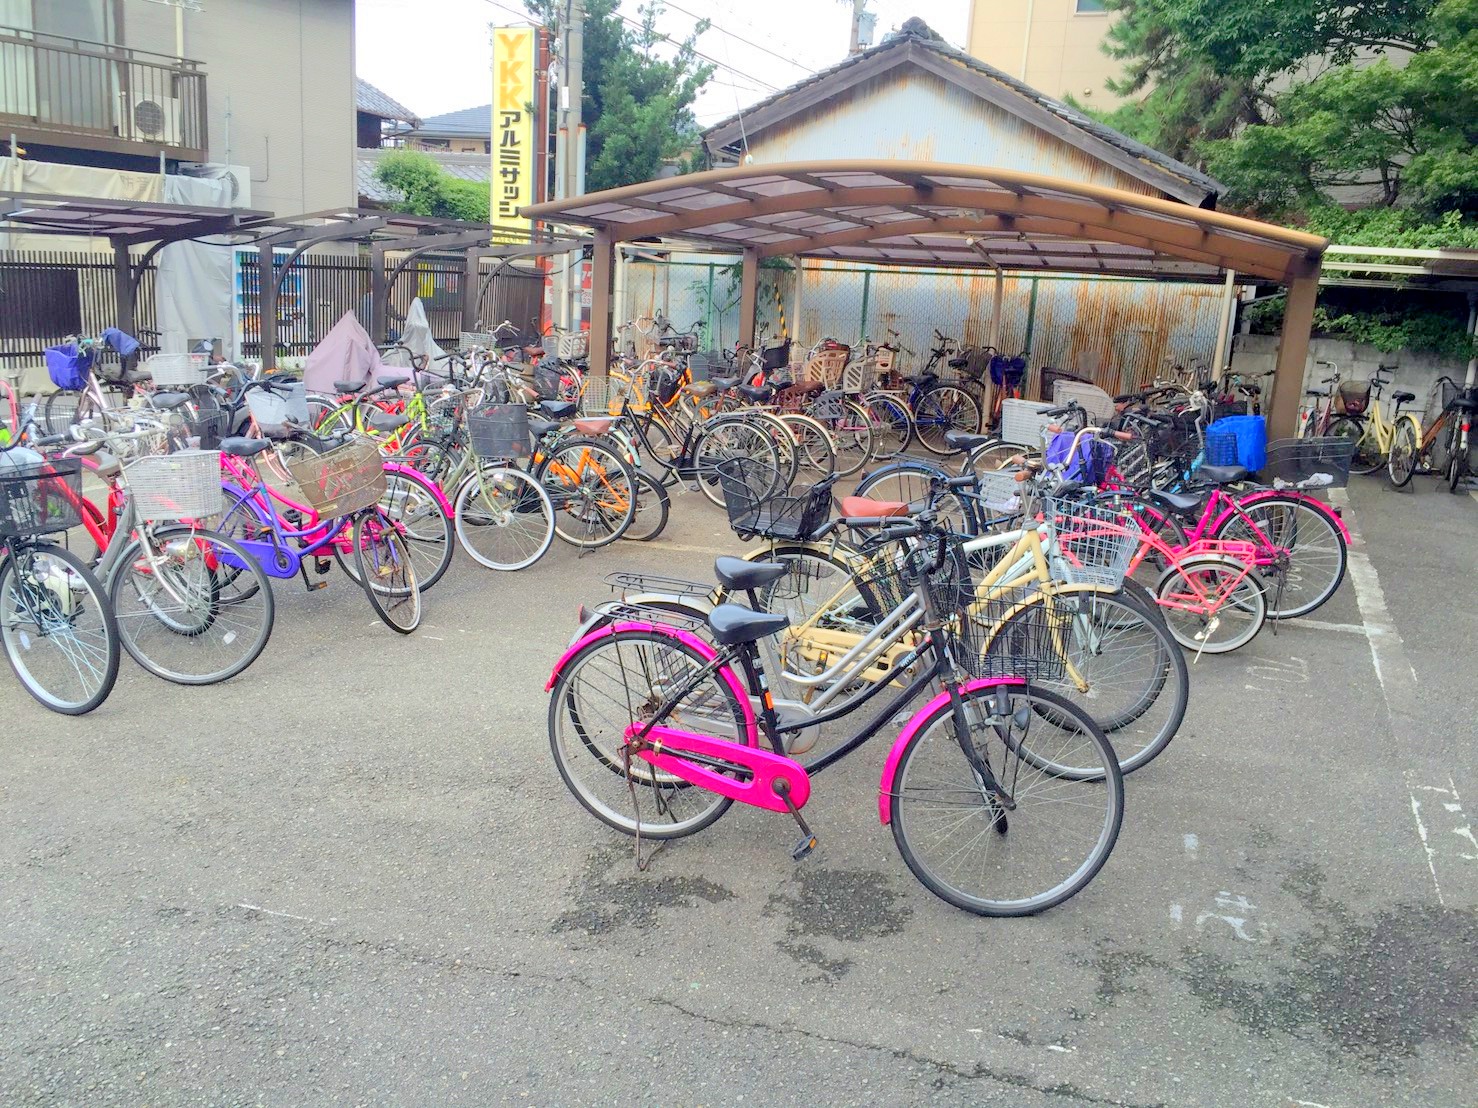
(897,212)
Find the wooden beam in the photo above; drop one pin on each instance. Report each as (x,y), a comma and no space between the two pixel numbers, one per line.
(602,270)
(1293,352)
(748,296)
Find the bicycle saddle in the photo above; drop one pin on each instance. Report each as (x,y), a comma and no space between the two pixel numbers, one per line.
(387,421)
(594,425)
(1221,475)
(862,507)
(392,382)
(558,409)
(758,393)
(350,386)
(732,624)
(1316,392)
(1403,397)
(702,389)
(240,447)
(541,427)
(964,440)
(168,401)
(723,383)
(736,573)
(1182,503)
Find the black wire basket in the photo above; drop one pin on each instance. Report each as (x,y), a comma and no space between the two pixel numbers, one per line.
(206,429)
(40,498)
(500,432)
(1010,631)
(1314,463)
(759,505)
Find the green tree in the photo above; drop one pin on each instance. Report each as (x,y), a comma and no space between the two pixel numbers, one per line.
(425,188)
(639,87)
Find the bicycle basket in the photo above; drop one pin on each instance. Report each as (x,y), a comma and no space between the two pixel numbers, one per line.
(893,574)
(664,384)
(1088,464)
(206,429)
(67,366)
(275,408)
(1007,632)
(1132,459)
(500,432)
(39,498)
(343,481)
(758,505)
(177,371)
(182,485)
(1352,398)
(1221,447)
(1317,463)
(775,357)
(603,395)
(1094,543)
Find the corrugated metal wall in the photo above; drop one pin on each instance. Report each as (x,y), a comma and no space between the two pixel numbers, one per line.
(1120,332)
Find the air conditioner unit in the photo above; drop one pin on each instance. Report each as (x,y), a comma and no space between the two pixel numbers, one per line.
(155,119)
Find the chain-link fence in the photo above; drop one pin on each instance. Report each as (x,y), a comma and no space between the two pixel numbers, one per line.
(1118,332)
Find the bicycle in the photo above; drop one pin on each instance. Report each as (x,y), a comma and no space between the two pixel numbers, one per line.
(645,708)
(937,406)
(1445,444)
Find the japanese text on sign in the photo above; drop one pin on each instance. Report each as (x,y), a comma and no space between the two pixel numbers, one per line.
(513,126)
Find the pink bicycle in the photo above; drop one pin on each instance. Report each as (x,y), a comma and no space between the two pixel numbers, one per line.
(1004,799)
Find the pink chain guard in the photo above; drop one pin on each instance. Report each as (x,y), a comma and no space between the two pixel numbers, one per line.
(766,767)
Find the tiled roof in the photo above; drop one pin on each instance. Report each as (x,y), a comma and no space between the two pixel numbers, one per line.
(475,122)
(372,101)
(467,167)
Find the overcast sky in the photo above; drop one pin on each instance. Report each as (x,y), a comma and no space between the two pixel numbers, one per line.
(433,56)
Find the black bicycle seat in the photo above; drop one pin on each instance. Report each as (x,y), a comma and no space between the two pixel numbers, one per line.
(1221,475)
(240,447)
(1403,397)
(964,440)
(387,421)
(1182,503)
(732,624)
(737,574)
(559,409)
(542,427)
(391,382)
(168,401)
(350,386)
(758,393)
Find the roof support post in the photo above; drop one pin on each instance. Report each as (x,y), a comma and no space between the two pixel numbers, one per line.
(1293,351)
(267,306)
(1224,325)
(749,283)
(471,288)
(123,288)
(602,271)
(379,294)
(995,312)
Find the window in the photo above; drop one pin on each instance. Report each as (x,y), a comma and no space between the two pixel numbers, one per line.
(1090,7)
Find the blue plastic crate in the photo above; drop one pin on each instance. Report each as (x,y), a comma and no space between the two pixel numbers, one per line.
(1249,436)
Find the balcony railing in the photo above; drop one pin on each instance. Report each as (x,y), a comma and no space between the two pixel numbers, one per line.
(70,92)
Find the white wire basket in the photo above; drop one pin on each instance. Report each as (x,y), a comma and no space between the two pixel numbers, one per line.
(1022,422)
(999,493)
(603,395)
(1098,404)
(1094,543)
(568,345)
(182,485)
(176,371)
(471,339)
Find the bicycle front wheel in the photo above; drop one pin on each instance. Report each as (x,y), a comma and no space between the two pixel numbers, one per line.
(943,409)
(504,519)
(892,425)
(386,571)
(58,630)
(193,607)
(735,437)
(1368,457)
(411,501)
(1033,842)
(1401,462)
(1303,527)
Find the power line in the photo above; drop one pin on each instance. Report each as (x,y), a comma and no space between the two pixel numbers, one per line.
(698,54)
(738,38)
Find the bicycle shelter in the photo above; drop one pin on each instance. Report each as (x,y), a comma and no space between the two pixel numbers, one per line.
(923,213)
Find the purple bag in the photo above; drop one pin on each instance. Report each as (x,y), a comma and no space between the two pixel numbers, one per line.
(67,366)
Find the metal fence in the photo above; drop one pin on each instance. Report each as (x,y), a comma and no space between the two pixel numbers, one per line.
(1120,332)
(47,295)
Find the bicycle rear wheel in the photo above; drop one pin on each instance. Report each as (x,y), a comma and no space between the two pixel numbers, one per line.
(892,425)
(623,678)
(1306,529)
(942,409)
(1401,461)
(386,571)
(996,859)
(592,489)
(1234,624)
(504,518)
(57,629)
(192,607)
(410,500)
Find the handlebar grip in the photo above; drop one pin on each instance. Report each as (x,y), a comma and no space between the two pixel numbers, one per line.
(1123,436)
(49,440)
(964,482)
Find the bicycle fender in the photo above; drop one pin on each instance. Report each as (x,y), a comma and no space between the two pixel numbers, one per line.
(1318,505)
(751,728)
(911,728)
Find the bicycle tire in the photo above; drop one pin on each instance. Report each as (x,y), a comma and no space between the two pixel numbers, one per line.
(927,742)
(141,605)
(1250,596)
(42,606)
(1402,458)
(594,498)
(852,438)
(941,409)
(892,425)
(744,439)
(653,506)
(386,572)
(504,504)
(590,727)
(1367,457)
(1275,516)
(1457,456)
(909,481)
(427,528)
(814,444)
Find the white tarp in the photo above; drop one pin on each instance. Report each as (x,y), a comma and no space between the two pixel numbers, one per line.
(415,336)
(345,354)
(193,288)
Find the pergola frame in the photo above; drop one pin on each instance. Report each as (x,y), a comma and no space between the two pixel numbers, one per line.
(898,212)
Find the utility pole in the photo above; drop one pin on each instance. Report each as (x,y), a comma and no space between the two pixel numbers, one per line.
(569,180)
(855,44)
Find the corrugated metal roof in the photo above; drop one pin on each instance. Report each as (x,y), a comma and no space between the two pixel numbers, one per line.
(466,167)
(916,34)
(372,101)
(474,122)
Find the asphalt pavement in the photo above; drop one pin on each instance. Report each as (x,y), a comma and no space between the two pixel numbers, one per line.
(352,875)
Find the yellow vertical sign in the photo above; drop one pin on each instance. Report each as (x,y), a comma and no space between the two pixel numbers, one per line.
(513,127)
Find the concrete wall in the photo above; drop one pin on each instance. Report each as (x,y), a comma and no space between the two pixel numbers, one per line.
(279,88)
(1059,45)
(1256,354)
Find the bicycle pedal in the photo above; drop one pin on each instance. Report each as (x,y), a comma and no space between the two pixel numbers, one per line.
(804,847)
(322,565)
